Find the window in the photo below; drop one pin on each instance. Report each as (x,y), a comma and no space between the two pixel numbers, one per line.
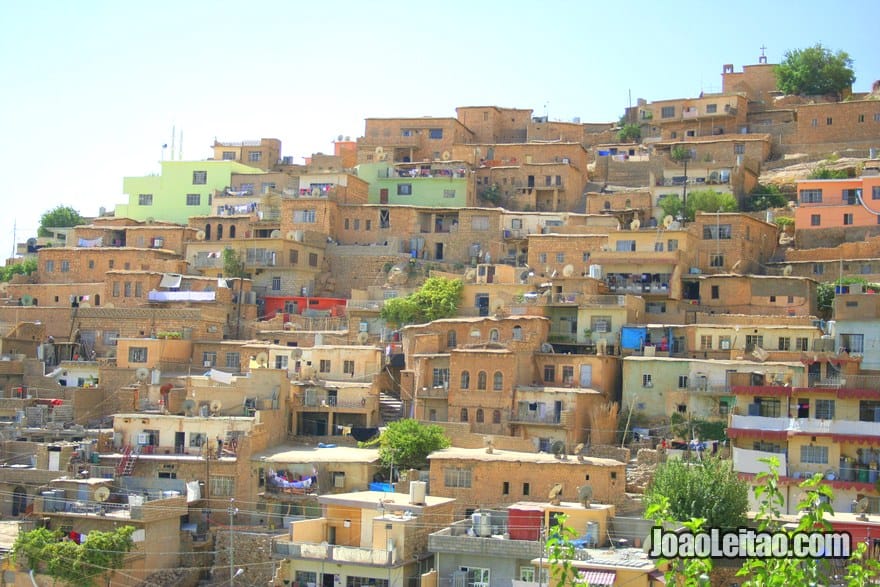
(548,180)
(480,223)
(406,132)
(868,410)
(814,455)
(222,486)
(480,416)
(255,156)
(247,188)
(814,122)
(348,367)
(137,354)
(811,196)
(448,193)
(526,489)
(600,324)
(847,219)
(145,199)
(505,488)
(313,259)
(682,381)
(567,374)
(193,199)
(852,343)
(875,192)
(306,216)
(197,439)
(465,380)
(784,343)
(647,380)
(138,289)
(706,342)
(276,283)
(353,581)
(493,335)
(357,224)
(517,333)
(200,177)
(293,256)
(801,343)
(711,108)
(818,268)
(65,266)
(558,179)
(481,380)
(50,266)
(115,289)
(463,415)
(667,112)
(716,290)
(496,416)
(476,577)
(815,220)
(877,117)
(828,121)
(717,232)
(229,155)
(625,245)
(324,366)
(560,257)
(851,196)
(435,133)
(753,341)
(824,409)
(404,189)
(209,359)
(498,381)
(233,361)
(110,337)
(549,373)
(440,377)
(542,257)
(739,149)
(127,289)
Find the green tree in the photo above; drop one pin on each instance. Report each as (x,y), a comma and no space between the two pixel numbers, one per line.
(709,201)
(405,444)
(437,298)
(58,217)
(671,205)
(78,564)
(822,172)
(233,263)
(766,196)
(815,70)
(629,133)
(825,292)
(24,267)
(491,194)
(710,490)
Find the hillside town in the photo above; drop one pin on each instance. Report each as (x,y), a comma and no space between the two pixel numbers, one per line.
(212,360)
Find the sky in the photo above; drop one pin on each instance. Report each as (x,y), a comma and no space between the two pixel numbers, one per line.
(92,90)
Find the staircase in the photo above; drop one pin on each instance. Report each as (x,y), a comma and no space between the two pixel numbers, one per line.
(128,461)
(390,407)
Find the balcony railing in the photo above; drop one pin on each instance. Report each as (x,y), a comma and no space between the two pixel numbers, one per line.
(364,305)
(335,553)
(427,392)
(806,425)
(526,416)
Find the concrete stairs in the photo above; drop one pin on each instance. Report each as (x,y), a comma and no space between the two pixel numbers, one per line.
(390,407)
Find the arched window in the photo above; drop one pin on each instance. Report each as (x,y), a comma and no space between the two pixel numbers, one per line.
(450,339)
(97,300)
(498,381)
(496,416)
(232,231)
(517,333)
(607,205)
(207,232)
(219,232)
(481,380)
(465,380)
(627,204)
(479,415)
(464,415)
(493,335)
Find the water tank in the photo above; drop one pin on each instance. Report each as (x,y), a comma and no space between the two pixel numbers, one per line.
(481,522)
(48,500)
(298,235)
(592,535)
(135,500)
(595,271)
(417,492)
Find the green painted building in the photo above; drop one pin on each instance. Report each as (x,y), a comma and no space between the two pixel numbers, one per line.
(442,184)
(183,189)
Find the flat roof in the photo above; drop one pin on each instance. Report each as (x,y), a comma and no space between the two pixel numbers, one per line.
(388,500)
(313,454)
(539,458)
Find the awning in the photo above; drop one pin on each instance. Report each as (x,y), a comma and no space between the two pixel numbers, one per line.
(756,433)
(657,577)
(171,280)
(598,577)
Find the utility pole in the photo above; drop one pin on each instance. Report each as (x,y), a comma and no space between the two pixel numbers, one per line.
(232,510)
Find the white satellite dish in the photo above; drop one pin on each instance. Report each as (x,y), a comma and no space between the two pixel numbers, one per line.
(200,235)
(568,271)
(787,270)
(275,234)
(668,220)
(470,275)
(101,493)
(142,374)
(363,337)
(291,235)
(635,224)
(296,353)
(446,156)
(216,406)
(262,359)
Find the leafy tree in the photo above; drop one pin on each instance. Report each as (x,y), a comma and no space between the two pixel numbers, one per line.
(698,201)
(783,222)
(405,444)
(815,70)
(233,263)
(822,172)
(491,194)
(825,292)
(671,205)
(59,217)
(25,267)
(710,490)
(766,196)
(437,298)
(680,154)
(629,132)
(77,564)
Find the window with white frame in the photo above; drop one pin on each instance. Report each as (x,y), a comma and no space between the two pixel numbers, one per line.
(137,354)
(305,216)
(824,409)
(440,377)
(324,366)
(255,156)
(480,223)
(233,361)
(404,189)
(457,477)
(816,455)
(276,283)
(222,486)
(476,576)
(647,380)
(811,196)
(209,359)
(348,367)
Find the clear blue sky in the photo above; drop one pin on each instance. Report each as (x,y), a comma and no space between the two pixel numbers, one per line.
(92,89)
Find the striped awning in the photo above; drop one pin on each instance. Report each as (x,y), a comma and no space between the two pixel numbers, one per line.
(598,577)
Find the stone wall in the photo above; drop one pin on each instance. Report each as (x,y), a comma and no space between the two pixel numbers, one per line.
(605,451)
(252,551)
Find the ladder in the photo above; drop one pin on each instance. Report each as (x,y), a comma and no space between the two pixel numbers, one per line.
(128,461)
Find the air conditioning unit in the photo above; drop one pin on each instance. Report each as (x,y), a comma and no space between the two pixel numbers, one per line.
(208,364)
(725,345)
(364,327)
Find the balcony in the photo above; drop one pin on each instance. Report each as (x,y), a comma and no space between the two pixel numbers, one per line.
(374,305)
(433,392)
(845,429)
(526,416)
(708,388)
(514,233)
(285,548)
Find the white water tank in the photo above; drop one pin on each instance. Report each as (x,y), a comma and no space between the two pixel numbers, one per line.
(595,271)
(592,534)
(417,492)
(482,524)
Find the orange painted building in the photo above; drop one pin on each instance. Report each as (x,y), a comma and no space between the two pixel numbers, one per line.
(838,204)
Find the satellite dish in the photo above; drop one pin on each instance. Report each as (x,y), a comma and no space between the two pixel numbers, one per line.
(380,151)
(200,235)
(554,493)
(524,275)
(316,192)
(579,448)
(585,495)
(668,220)
(568,271)
(142,374)
(275,234)
(470,275)
(215,406)
(557,448)
(546,347)
(101,493)
(291,235)
(296,353)
(446,156)
(635,224)
(262,359)
(363,337)
(27,300)
(787,270)
(188,406)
